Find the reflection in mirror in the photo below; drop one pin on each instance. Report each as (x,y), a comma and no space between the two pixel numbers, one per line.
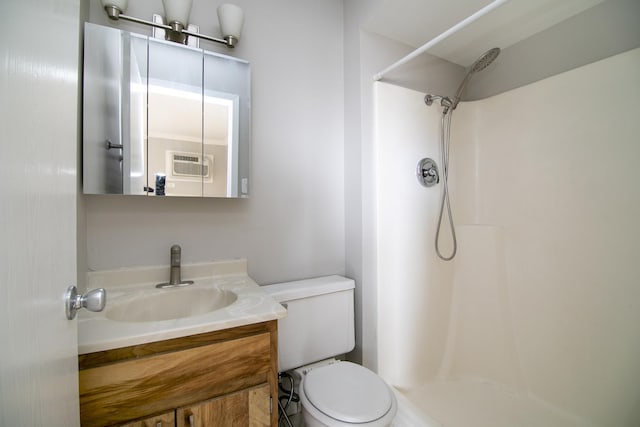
(134,118)
(104,74)
(176,166)
(176,150)
(221,142)
(227,89)
(162,119)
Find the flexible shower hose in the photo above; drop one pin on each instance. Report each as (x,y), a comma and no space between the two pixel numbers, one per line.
(445,139)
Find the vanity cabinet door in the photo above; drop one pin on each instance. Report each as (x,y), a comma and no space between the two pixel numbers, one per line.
(113,393)
(163,420)
(246,408)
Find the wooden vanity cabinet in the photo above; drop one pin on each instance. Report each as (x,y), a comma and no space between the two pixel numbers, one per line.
(244,408)
(163,420)
(222,378)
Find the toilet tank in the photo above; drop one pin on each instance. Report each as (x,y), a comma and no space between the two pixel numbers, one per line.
(319,322)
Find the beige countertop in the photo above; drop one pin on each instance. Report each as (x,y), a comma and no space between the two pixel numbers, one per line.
(97,332)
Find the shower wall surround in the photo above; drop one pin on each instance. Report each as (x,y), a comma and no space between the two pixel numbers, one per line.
(543,296)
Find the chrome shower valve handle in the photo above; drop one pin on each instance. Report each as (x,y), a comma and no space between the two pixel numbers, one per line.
(427,172)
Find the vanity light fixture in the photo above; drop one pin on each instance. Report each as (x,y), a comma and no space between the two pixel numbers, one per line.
(230,17)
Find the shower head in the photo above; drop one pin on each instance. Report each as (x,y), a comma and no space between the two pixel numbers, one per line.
(481,63)
(487,58)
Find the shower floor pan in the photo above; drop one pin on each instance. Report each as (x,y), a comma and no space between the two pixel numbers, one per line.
(469,403)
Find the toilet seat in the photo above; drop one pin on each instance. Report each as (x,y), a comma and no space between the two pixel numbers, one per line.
(345,393)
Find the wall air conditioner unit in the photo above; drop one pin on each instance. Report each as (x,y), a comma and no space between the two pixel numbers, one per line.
(183,166)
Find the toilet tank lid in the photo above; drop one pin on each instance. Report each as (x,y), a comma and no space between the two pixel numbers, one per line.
(289,291)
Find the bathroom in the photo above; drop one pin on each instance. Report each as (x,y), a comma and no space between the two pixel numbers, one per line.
(311,204)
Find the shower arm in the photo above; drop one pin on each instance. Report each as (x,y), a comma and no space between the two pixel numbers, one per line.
(481,63)
(445,102)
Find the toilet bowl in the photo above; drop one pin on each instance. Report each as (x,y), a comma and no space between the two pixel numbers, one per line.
(320,326)
(344,394)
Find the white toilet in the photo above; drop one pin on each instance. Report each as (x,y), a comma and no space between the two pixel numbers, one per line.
(319,326)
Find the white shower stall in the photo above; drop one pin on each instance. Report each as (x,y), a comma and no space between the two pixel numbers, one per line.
(536,321)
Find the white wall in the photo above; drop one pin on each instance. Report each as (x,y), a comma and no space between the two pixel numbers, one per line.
(292,226)
(543,291)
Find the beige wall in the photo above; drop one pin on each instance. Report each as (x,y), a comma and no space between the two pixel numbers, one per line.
(542,295)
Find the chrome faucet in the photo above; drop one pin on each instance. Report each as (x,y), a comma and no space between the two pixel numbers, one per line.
(174,278)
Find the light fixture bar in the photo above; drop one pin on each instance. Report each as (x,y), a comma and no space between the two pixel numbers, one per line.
(142,21)
(229,43)
(115,14)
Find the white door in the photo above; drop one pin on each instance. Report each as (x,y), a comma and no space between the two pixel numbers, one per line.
(39,43)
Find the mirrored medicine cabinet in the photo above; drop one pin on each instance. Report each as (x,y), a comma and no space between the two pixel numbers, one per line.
(163,119)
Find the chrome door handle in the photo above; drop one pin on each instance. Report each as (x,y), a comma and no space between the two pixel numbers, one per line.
(94,300)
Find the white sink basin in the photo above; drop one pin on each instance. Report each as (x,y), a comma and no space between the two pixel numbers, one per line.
(222,297)
(168,304)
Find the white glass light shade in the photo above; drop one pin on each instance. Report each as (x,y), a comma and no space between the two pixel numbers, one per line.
(231,19)
(177,10)
(121,5)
